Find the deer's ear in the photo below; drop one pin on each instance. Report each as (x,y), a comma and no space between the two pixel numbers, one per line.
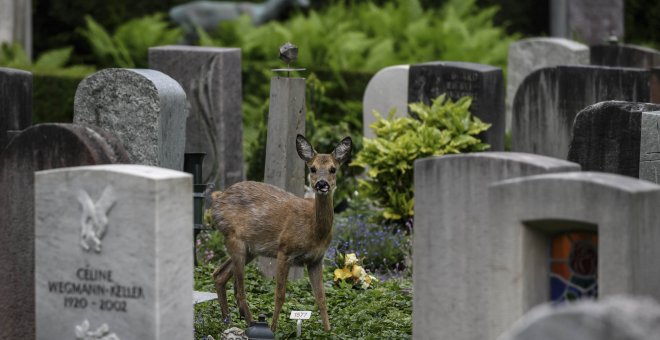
(305,150)
(342,151)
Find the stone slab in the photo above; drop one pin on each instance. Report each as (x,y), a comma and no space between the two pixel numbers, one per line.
(524,212)
(450,249)
(387,90)
(211,77)
(484,83)
(15,102)
(531,54)
(548,100)
(607,137)
(588,21)
(145,109)
(624,55)
(39,147)
(284,168)
(111,253)
(649,167)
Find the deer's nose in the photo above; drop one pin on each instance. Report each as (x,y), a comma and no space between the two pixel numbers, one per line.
(322,186)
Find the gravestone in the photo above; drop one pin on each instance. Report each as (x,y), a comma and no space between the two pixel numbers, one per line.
(532,54)
(39,147)
(608,137)
(483,83)
(588,21)
(16,23)
(145,109)
(450,241)
(387,90)
(284,168)
(15,102)
(548,100)
(112,253)
(524,215)
(211,78)
(624,55)
(613,318)
(649,166)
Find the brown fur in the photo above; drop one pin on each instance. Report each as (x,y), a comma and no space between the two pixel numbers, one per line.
(259,219)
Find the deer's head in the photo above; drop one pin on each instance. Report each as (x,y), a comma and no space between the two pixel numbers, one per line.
(323,167)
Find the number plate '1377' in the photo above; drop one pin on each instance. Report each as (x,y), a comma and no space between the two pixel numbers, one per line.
(300,315)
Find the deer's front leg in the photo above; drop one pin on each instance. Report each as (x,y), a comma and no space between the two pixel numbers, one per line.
(315,271)
(280,286)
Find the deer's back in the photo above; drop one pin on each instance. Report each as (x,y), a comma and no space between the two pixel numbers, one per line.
(259,214)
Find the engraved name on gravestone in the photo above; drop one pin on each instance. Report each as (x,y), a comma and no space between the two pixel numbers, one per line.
(484,83)
(610,137)
(145,109)
(112,255)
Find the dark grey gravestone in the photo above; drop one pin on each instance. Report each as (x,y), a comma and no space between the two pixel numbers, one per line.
(145,109)
(655,85)
(649,166)
(624,55)
(588,21)
(607,137)
(548,100)
(39,147)
(211,77)
(15,102)
(483,83)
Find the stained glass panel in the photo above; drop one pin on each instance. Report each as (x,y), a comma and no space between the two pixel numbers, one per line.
(573,266)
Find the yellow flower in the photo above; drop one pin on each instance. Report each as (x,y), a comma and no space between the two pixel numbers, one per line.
(351,259)
(342,274)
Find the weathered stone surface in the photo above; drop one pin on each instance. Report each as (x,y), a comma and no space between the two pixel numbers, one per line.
(284,168)
(450,241)
(16,23)
(386,90)
(211,78)
(15,102)
(145,109)
(607,137)
(613,318)
(524,212)
(548,100)
(40,147)
(588,21)
(484,83)
(110,251)
(649,166)
(532,54)
(624,55)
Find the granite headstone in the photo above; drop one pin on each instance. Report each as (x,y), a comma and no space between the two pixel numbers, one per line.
(387,90)
(145,109)
(15,102)
(211,78)
(649,166)
(112,254)
(450,242)
(528,55)
(484,83)
(624,55)
(588,21)
(284,168)
(548,100)
(39,147)
(607,137)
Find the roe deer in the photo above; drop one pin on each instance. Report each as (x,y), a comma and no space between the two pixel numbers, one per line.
(259,219)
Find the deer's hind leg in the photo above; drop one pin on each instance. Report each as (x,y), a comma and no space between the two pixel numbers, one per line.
(239,258)
(221,276)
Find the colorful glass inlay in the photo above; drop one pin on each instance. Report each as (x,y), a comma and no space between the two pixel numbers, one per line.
(573,266)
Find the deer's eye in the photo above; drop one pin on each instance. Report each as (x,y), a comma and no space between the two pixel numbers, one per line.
(333,170)
(313,169)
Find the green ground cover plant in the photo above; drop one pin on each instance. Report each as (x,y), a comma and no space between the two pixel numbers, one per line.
(381,312)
